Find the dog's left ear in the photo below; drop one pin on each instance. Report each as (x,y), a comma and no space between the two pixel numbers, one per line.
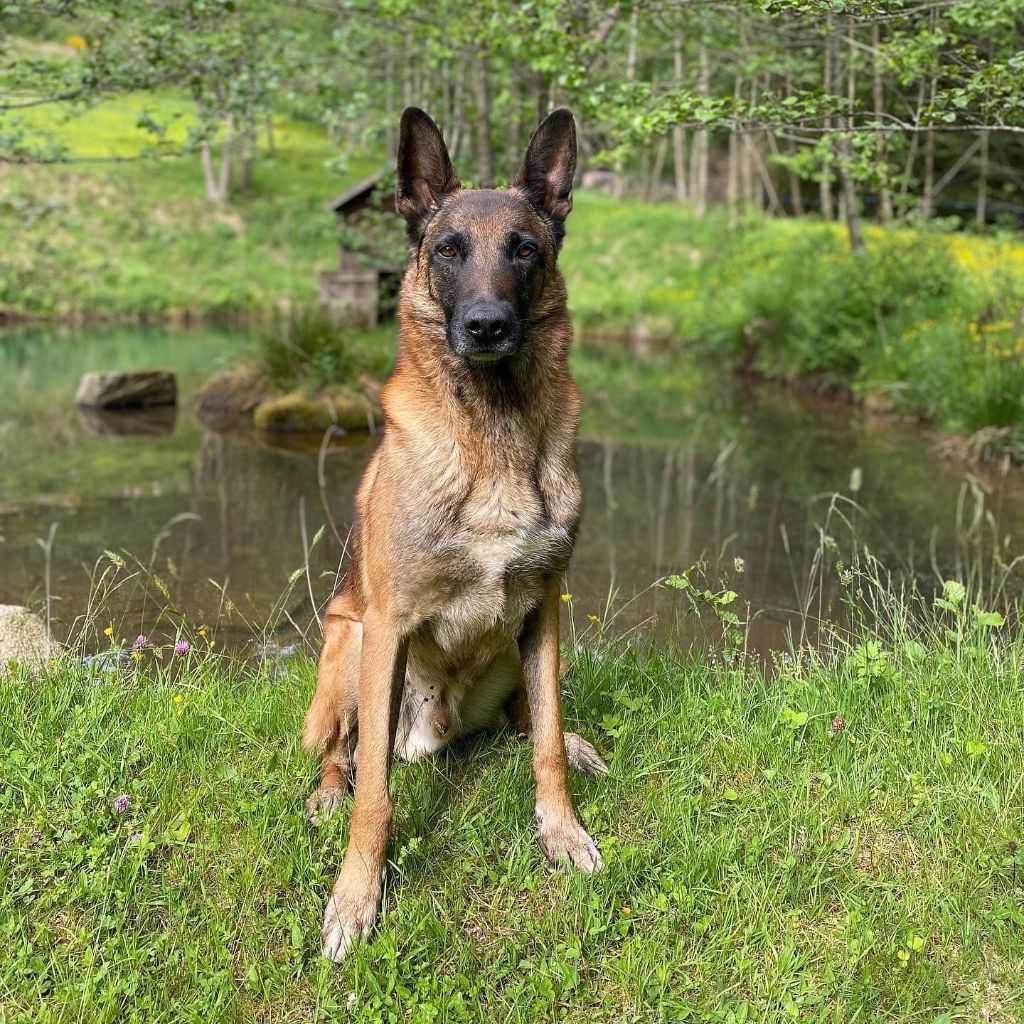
(548,169)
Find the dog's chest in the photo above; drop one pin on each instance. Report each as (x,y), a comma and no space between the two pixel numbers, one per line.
(499,578)
(497,562)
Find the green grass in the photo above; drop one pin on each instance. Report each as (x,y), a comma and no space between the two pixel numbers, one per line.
(764,861)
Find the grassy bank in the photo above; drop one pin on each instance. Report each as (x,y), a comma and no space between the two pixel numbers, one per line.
(835,840)
(925,322)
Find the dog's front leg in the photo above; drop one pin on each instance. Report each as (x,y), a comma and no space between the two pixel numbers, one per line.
(563,839)
(352,907)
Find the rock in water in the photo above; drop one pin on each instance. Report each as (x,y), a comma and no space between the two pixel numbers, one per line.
(134,390)
(23,638)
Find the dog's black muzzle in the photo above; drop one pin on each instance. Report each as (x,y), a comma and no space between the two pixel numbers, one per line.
(485,331)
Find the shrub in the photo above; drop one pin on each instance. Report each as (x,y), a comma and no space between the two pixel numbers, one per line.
(304,346)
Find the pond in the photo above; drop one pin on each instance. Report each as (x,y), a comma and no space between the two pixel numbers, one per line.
(680,465)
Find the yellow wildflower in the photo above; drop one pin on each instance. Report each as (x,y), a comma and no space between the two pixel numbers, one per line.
(566,598)
(178,698)
(109,631)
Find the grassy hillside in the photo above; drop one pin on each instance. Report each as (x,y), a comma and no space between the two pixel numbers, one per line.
(105,239)
(837,839)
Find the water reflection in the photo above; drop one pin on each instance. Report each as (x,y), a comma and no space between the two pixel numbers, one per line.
(746,484)
(153,422)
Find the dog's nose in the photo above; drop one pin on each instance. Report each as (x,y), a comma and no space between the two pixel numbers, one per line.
(488,325)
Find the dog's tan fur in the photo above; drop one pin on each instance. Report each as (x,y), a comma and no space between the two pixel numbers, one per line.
(448,619)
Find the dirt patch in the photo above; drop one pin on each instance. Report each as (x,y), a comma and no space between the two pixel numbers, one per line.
(880,851)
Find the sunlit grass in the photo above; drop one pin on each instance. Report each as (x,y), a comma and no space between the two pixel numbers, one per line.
(832,838)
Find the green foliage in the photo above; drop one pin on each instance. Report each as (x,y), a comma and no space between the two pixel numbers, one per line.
(304,346)
(805,304)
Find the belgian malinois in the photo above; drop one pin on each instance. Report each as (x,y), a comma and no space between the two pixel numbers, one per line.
(448,618)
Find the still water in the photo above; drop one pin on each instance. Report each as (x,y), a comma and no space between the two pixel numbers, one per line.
(679,467)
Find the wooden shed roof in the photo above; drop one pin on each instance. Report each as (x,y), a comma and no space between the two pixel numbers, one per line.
(357,194)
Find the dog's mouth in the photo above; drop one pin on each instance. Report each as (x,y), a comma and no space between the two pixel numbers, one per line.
(471,349)
(485,357)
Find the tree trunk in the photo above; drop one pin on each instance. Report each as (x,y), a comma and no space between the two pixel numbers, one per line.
(732,180)
(390,120)
(225,158)
(754,192)
(878,96)
(745,187)
(701,150)
(981,213)
(631,48)
(248,154)
(768,188)
(679,133)
(928,186)
(215,184)
(654,188)
(679,164)
(796,196)
(482,134)
(825,186)
(851,201)
(908,167)
(630,76)
(743,143)
(408,96)
(513,156)
(210,180)
(539,90)
(456,131)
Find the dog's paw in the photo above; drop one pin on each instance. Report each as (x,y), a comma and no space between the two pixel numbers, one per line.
(347,919)
(323,802)
(583,756)
(566,844)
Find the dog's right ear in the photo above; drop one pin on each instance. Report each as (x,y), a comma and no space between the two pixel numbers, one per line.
(425,172)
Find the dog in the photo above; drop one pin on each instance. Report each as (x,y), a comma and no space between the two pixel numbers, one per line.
(447,621)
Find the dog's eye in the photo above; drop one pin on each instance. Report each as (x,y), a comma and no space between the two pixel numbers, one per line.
(447,251)
(525,251)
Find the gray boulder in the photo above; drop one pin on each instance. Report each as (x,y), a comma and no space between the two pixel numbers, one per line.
(134,390)
(23,638)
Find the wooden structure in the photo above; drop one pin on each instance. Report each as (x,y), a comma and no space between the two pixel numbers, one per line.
(363,288)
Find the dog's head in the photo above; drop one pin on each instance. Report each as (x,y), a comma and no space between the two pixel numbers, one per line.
(488,253)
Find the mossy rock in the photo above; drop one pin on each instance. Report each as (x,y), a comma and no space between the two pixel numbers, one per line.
(333,407)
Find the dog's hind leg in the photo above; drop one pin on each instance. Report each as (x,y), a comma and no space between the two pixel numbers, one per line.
(331,721)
